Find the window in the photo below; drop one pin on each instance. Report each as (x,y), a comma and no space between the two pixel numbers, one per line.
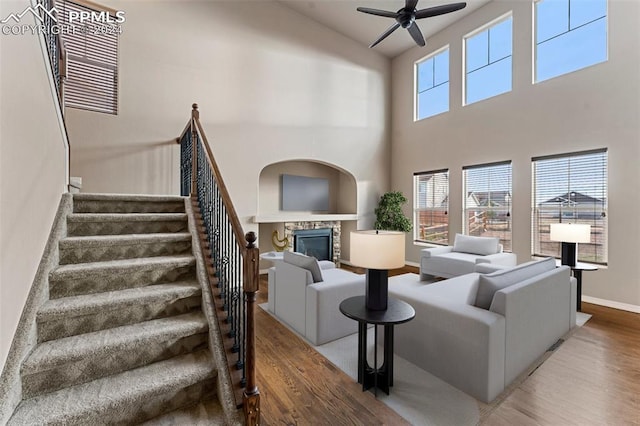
(488,61)
(487,201)
(431,207)
(570,35)
(432,85)
(92,58)
(570,188)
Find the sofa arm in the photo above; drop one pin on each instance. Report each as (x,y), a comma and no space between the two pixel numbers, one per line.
(461,344)
(324,321)
(506,259)
(326,264)
(434,251)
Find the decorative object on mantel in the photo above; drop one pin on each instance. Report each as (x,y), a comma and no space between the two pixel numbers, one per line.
(389,215)
(278,243)
(570,234)
(378,251)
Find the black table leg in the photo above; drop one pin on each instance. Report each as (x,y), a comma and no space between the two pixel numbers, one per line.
(362,351)
(388,352)
(577,273)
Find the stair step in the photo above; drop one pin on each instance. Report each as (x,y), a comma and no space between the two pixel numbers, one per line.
(98,277)
(112,247)
(124,203)
(80,224)
(126,398)
(74,315)
(204,414)
(79,359)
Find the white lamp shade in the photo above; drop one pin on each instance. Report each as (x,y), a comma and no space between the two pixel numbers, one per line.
(377,249)
(570,232)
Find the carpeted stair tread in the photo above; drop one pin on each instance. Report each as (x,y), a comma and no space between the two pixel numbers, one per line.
(204,414)
(127,239)
(125,398)
(120,265)
(89,303)
(99,248)
(126,338)
(147,198)
(125,217)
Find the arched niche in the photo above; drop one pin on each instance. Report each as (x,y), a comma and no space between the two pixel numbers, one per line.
(342,187)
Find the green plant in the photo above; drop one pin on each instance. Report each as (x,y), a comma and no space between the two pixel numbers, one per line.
(389,215)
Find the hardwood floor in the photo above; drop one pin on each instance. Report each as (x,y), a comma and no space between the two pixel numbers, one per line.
(592,379)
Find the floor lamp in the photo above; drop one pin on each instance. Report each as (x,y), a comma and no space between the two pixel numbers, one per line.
(378,251)
(570,234)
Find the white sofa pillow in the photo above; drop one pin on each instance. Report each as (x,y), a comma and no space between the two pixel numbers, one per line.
(490,283)
(476,245)
(305,262)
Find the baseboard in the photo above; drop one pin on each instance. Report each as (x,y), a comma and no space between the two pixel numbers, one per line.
(612,304)
(26,338)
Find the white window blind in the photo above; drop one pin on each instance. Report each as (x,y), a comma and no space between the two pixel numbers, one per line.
(431,207)
(487,201)
(92,61)
(570,188)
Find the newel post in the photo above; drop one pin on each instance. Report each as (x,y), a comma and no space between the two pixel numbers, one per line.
(195,115)
(251,396)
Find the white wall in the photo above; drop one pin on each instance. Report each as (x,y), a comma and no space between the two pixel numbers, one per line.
(591,108)
(272,86)
(32,169)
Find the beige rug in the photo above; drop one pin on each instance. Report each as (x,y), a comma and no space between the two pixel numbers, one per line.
(418,396)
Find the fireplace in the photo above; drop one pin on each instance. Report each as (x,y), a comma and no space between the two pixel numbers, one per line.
(314,242)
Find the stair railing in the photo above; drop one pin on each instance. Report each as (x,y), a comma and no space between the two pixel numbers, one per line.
(56,49)
(231,257)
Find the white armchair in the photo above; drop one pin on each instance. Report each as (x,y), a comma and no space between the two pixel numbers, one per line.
(463,256)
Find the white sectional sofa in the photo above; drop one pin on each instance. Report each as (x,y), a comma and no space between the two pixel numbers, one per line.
(306,294)
(462,258)
(521,312)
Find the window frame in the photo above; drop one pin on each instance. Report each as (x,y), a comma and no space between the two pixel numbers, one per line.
(416,94)
(574,217)
(487,26)
(87,86)
(466,194)
(534,68)
(417,210)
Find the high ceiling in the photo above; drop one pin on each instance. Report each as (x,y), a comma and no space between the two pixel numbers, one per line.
(341,16)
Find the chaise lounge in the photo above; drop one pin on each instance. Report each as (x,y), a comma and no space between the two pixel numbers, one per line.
(462,258)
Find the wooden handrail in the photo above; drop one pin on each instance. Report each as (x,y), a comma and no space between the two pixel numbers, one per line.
(250,261)
(224,193)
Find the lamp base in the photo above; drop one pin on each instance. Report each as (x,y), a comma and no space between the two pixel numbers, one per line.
(569,254)
(377,292)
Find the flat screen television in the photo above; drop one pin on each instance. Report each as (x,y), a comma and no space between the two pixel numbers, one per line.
(303,193)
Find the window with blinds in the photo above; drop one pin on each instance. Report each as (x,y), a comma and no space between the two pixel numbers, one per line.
(431,207)
(92,60)
(570,188)
(487,201)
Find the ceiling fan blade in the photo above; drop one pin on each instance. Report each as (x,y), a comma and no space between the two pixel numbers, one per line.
(410,5)
(384,35)
(416,34)
(439,10)
(378,12)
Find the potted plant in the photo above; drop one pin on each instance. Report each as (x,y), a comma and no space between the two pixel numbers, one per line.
(389,215)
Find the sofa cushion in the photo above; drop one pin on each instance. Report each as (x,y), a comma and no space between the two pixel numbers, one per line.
(490,283)
(305,262)
(476,245)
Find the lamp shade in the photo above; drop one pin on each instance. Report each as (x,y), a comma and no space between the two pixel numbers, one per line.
(570,232)
(377,249)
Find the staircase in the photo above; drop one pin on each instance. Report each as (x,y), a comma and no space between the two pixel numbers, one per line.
(122,338)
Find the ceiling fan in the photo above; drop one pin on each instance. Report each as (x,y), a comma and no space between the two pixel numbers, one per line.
(406,18)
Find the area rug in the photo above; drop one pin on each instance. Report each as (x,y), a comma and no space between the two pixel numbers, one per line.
(418,396)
